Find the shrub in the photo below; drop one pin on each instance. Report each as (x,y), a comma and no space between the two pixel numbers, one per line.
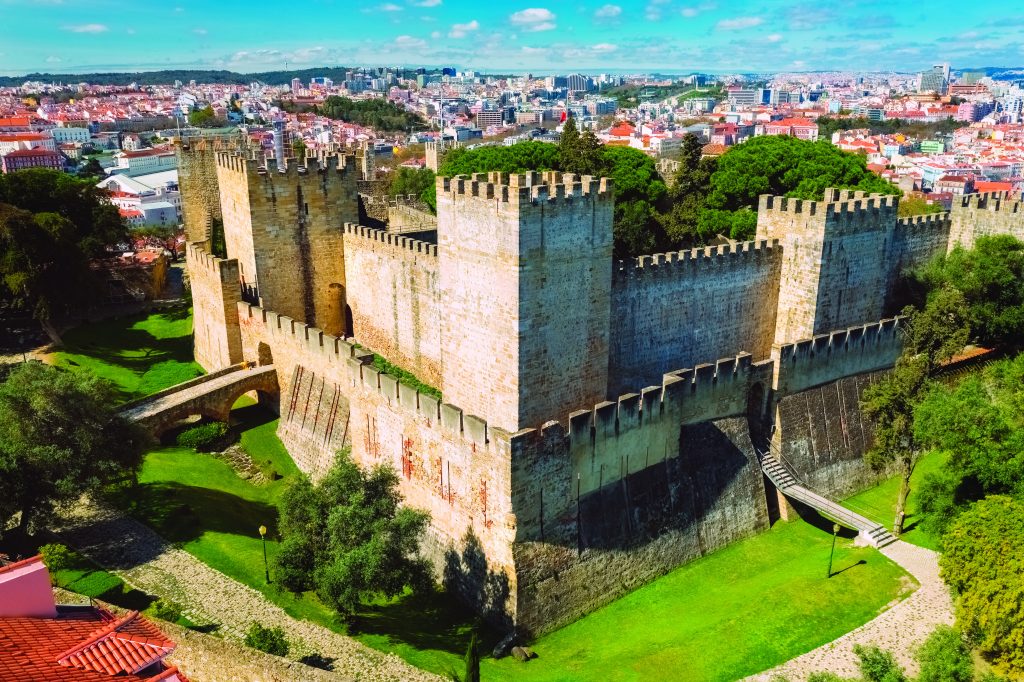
(58,557)
(203,436)
(167,610)
(877,665)
(270,640)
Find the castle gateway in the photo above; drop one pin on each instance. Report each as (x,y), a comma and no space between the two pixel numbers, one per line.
(600,421)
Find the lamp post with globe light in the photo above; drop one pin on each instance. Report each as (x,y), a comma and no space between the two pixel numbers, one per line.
(266,566)
(835,532)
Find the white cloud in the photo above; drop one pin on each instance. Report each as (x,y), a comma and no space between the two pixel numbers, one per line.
(410,43)
(52,59)
(534,19)
(435,34)
(427,3)
(533,50)
(775,37)
(608,12)
(87,28)
(462,30)
(389,7)
(199,31)
(738,23)
(689,12)
(604,47)
(653,10)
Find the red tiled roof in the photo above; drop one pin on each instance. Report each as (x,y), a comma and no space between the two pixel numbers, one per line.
(114,649)
(30,152)
(82,644)
(19,564)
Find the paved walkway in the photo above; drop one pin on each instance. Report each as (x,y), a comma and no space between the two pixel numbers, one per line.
(146,562)
(900,629)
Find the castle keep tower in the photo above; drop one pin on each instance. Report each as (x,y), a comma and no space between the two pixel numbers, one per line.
(525,277)
(834,270)
(284,223)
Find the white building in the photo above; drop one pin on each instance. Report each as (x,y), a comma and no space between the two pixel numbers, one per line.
(155,197)
(143,161)
(62,135)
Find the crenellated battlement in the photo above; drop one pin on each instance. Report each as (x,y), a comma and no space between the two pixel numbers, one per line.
(689,260)
(356,362)
(197,257)
(391,239)
(828,357)
(704,392)
(390,201)
(255,163)
(925,221)
(527,188)
(844,207)
(991,201)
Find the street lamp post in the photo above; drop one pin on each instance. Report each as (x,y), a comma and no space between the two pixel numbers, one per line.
(835,532)
(266,566)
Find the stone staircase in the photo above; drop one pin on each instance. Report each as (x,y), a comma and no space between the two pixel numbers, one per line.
(779,474)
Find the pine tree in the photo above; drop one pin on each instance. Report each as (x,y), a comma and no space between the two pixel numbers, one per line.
(569,142)
(472,661)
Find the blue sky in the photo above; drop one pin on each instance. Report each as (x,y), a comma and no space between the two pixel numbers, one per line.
(515,35)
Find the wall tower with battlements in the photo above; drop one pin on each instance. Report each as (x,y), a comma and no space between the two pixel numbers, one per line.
(985,215)
(526,282)
(284,223)
(834,270)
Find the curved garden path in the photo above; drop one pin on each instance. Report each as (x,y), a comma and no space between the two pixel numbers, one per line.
(147,562)
(900,629)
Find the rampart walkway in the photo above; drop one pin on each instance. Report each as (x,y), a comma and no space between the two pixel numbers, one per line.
(873,533)
(211,395)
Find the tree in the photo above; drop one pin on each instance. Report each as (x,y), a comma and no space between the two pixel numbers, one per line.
(877,665)
(347,538)
(202,118)
(472,673)
(267,639)
(782,166)
(411,181)
(977,426)
(60,437)
(569,141)
(931,337)
(944,657)
(375,113)
(984,567)
(688,193)
(917,205)
(90,168)
(991,279)
(298,147)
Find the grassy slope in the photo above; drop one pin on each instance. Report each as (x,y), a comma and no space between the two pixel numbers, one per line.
(141,354)
(879,503)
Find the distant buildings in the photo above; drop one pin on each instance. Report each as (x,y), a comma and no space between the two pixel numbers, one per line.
(21,159)
(935,79)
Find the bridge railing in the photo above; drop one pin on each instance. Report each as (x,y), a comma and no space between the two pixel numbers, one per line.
(185,384)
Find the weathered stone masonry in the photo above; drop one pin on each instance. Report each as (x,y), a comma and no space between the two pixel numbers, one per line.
(571,459)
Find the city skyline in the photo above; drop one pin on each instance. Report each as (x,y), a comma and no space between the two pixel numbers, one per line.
(667,35)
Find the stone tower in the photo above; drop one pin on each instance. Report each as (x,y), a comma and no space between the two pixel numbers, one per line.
(285,225)
(832,273)
(525,279)
(986,214)
(197,178)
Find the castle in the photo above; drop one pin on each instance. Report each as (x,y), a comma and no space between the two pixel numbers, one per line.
(600,421)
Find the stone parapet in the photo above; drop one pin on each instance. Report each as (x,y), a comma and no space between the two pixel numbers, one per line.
(708,257)
(394,240)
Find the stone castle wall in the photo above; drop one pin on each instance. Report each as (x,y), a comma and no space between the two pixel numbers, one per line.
(526,290)
(451,464)
(678,309)
(988,214)
(284,224)
(200,193)
(634,488)
(215,295)
(396,307)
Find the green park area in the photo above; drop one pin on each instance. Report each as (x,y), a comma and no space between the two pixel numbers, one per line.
(740,610)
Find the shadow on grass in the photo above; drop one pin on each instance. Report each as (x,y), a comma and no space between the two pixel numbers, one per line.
(181,513)
(812,517)
(428,621)
(862,562)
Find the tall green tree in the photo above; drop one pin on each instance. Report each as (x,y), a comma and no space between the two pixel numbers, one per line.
(983,565)
(931,337)
(348,538)
(781,166)
(60,437)
(411,181)
(688,193)
(569,140)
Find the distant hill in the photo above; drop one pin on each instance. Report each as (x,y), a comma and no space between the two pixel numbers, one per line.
(998,72)
(336,73)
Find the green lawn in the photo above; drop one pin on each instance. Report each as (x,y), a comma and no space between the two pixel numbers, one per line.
(745,608)
(158,355)
(879,503)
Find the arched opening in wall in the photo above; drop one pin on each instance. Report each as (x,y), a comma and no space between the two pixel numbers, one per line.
(349,325)
(264,356)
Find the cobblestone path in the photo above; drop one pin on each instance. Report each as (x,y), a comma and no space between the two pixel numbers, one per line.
(148,563)
(900,629)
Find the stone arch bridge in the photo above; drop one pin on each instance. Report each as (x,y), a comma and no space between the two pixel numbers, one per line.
(211,396)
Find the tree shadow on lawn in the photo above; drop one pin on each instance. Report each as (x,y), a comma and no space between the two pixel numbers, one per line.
(181,513)
(427,621)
